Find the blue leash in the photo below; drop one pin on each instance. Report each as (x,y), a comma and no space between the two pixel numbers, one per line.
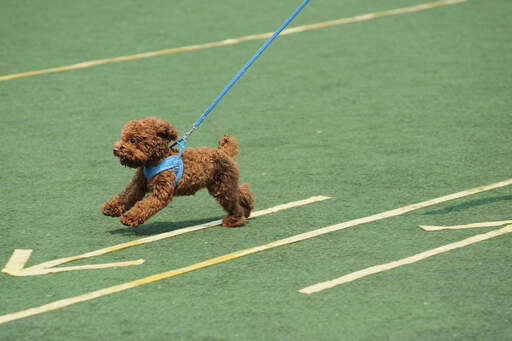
(182,142)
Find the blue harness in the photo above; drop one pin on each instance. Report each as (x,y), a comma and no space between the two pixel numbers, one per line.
(172,162)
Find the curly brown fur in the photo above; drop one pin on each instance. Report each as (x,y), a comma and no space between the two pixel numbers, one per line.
(144,143)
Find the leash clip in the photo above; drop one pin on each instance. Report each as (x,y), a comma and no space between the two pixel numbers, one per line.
(183,141)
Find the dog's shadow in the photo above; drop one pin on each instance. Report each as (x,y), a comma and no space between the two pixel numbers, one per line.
(149,229)
(468,205)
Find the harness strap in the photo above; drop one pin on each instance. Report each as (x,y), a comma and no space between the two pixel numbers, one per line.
(173,162)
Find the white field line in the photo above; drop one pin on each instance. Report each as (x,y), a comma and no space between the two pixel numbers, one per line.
(409,260)
(15,265)
(303,236)
(232,41)
(467,226)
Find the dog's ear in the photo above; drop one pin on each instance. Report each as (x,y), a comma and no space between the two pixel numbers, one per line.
(166,131)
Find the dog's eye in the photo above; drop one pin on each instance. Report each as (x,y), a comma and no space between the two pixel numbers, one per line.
(132,141)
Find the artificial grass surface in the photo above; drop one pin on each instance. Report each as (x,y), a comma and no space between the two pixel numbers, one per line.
(378,115)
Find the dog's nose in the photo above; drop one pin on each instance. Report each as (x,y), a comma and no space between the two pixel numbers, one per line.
(116,151)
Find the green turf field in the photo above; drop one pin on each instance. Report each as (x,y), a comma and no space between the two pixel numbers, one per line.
(377,114)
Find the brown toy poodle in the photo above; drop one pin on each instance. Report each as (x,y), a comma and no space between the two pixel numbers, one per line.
(145,143)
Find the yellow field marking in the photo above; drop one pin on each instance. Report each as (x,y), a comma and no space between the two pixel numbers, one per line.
(420,256)
(232,41)
(467,226)
(303,236)
(15,265)
(370,16)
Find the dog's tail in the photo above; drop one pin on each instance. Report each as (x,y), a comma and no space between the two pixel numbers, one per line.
(246,199)
(228,145)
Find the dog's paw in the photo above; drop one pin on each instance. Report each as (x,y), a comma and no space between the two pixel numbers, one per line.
(112,209)
(130,219)
(231,221)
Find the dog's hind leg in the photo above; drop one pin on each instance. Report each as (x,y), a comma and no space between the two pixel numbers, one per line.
(246,199)
(224,188)
(229,198)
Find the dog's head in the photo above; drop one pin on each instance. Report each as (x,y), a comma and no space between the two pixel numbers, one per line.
(144,142)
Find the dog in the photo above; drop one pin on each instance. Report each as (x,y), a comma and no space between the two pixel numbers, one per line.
(145,144)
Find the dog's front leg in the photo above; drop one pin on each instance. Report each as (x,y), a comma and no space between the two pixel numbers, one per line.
(162,193)
(124,200)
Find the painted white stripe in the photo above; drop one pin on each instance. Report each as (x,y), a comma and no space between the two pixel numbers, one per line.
(467,226)
(15,265)
(409,260)
(303,236)
(18,260)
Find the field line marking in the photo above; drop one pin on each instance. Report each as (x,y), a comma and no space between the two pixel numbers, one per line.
(15,265)
(233,41)
(18,260)
(370,16)
(82,267)
(412,259)
(303,236)
(467,226)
